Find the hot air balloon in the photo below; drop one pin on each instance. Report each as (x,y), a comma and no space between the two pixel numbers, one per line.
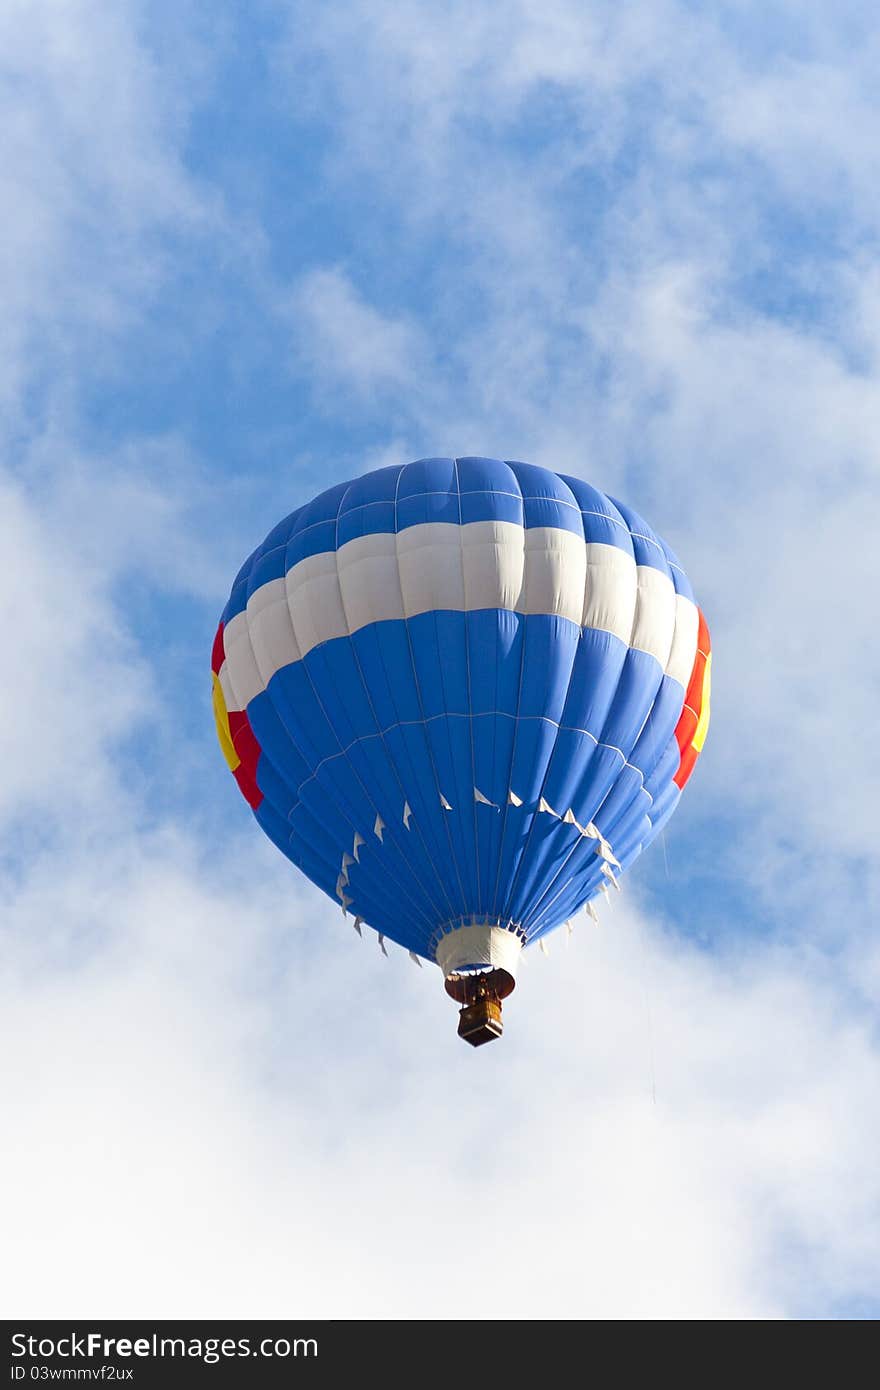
(462,696)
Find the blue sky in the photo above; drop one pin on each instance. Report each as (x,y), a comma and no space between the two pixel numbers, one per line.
(252,250)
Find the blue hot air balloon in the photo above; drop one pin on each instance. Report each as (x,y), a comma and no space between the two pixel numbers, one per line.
(462,695)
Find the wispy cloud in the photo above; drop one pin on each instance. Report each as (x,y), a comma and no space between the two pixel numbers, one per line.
(92,182)
(345,341)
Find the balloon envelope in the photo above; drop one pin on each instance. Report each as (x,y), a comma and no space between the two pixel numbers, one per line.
(462,695)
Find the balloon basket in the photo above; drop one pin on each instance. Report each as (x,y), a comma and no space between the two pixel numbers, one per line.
(480,993)
(481,1022)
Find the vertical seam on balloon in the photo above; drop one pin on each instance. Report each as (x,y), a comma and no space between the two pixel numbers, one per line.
(522,618)
(648,770)
(445,717)
(467,664)
(423,723)
(491,906)
(538,922)
(421,709)
(542,906)
(532,923)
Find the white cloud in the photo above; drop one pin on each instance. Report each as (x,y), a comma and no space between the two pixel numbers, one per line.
(72,683)
(280,1122)
(344,340)
(91,177)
